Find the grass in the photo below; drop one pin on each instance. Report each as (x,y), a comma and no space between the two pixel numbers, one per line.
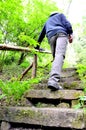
(11,89)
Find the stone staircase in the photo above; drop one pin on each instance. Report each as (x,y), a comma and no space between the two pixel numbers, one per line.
(45,109)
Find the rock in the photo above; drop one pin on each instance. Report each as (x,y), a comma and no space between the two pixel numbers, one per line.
(5,125)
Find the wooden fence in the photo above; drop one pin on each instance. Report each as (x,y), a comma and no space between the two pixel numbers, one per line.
(25,49)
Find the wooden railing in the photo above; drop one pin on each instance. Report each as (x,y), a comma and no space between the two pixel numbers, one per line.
(25,49)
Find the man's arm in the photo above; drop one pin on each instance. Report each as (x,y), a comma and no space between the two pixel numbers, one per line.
(42,35)
(40,38)
(68,26)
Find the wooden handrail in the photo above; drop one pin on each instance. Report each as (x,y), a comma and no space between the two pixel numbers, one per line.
(19,48)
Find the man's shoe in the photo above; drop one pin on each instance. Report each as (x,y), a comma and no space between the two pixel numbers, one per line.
(60,88)
(54,88)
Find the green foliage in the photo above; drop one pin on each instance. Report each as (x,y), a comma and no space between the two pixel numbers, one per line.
(10,20)
(25,64)
(27,40)
(82,102)
(2,96)
(15,89)
(80,42)
(9,58)
(81,69)
(2,55)
(80,48)
(78,106)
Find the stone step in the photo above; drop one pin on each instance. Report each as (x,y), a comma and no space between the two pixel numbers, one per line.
(65,83)
(60,94)
(50,117)
(70,97)
(69,72)
(69,80)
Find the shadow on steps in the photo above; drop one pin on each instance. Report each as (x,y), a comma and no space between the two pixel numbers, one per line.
(15,126)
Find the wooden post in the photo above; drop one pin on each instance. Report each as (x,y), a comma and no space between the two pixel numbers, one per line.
(34,68)
(26,70)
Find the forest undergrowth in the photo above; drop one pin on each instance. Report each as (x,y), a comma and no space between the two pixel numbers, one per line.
(12,89)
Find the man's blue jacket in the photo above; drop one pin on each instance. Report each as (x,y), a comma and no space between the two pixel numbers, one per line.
(56,23)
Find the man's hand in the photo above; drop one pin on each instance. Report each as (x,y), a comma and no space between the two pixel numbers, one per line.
(70,38)
(37,47)
(40,49)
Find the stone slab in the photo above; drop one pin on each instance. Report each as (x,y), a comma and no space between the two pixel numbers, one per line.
(52,117)
(60,94)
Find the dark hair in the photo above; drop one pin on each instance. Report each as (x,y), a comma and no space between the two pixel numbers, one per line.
(53,13)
